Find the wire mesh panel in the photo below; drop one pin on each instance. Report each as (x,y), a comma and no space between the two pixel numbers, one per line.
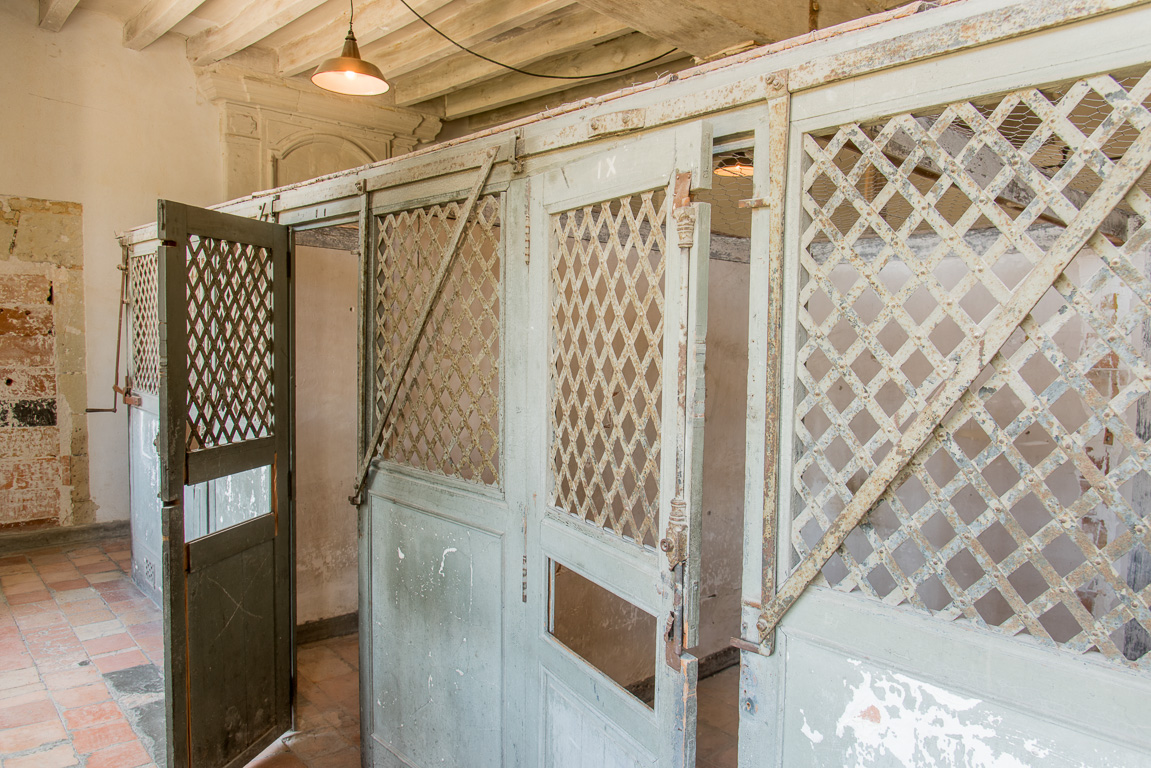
(230,321)
(607,307)
(145,321)
(1029,509)
(447,416)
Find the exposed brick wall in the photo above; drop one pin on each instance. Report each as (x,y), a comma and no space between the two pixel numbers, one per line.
(43,387)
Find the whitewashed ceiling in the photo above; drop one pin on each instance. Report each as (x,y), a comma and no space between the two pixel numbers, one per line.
(429,74)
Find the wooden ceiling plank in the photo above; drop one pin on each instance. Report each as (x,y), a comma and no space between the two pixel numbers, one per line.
(250,25)
(679,23)
(474,23)
(511,88)
(154,20)
(373,21)
(555,35)
(53,13)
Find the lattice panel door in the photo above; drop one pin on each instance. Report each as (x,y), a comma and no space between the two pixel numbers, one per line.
(225,429)
(608,294)
(1029,510)
(145,321)
(447,414)
(230,335)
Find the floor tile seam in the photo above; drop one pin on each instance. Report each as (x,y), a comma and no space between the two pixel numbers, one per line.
(60,708)
(32,751)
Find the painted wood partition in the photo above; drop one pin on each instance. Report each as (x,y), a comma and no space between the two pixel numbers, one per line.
(947,526)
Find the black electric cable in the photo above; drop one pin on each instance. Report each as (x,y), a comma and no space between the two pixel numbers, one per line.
(525,72)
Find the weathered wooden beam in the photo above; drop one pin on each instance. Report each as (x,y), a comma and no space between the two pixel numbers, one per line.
(341,238)
(470,23)
(373,21)
(561,32)
(53,13)
(154,20)
(789,18)
(393,39)
(678,23)
(903,37)
(615,54)
(251,24)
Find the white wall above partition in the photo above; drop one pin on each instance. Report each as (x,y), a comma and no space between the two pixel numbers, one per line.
(278,132)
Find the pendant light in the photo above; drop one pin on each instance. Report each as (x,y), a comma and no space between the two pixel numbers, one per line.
(735,164)
(348,73)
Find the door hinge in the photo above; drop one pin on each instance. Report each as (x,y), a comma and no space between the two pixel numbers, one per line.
(673,624)
(674,542)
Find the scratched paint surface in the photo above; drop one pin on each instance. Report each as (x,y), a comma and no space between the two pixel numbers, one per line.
(863,714)
(437,649)
(144,473)
(577,736)
(231,637)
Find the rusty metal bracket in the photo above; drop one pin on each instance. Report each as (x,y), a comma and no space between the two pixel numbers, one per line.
(120,322)
(754,202)
(126,392)
(977,352)
(268,210)
(674,542)
(743,645)
(516,159)
(673,624)
(384,429)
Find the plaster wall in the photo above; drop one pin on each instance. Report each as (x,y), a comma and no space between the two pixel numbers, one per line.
(327,284)
(89,121)
(43,430)
(725,427)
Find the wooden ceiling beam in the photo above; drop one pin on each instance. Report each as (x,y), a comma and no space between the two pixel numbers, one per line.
(678,23)
(373,21)
(53,13)
(472,23)
(251,24)
(563,32)
(154,20)
(631,49)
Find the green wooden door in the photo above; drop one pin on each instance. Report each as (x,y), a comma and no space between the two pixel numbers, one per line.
(225,447)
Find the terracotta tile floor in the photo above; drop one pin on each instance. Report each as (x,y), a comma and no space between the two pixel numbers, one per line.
(327,731)
(81,660)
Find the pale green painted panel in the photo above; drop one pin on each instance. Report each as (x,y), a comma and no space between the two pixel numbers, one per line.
(579,736)
(870,714)
(437,639)
(144,499)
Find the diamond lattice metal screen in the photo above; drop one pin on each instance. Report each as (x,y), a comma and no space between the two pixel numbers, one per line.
(145,321)
(447,416)
(607,360)
(229,292)
(1028,511)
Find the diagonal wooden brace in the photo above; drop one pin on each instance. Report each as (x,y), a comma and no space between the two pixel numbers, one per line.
(977,352)
(384,429)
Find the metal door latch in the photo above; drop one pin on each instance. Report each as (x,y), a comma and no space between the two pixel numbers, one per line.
(674,542)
